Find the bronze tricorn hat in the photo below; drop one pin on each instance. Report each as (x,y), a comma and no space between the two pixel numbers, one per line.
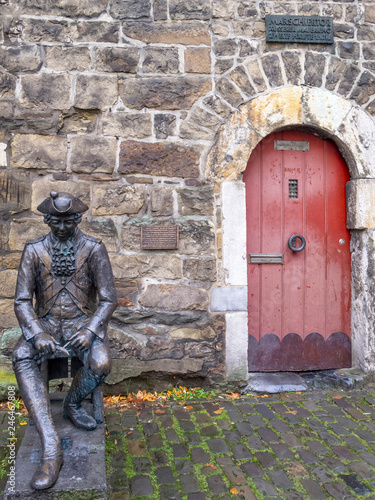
(62,204)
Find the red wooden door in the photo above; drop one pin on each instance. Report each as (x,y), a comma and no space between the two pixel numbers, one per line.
(299,310)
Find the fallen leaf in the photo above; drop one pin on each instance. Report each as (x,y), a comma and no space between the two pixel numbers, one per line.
(159,411)
(23,423)
(337,397)
(298,392)
(234,395)
(188,407)
(292,411)
(234,491)
(219,411)
(210,465)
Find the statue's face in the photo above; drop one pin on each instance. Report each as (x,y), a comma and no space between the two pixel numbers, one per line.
(62,227)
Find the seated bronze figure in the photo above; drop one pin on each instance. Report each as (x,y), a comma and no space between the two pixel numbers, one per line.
(69,276)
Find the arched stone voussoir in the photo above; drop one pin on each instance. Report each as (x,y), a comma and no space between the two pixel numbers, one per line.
(351,128)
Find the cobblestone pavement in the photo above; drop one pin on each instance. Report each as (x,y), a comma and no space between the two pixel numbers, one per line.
(291,446)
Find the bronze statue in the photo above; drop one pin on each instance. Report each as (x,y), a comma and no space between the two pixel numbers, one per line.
(69,276)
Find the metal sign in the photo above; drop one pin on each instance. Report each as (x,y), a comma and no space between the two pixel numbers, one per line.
(299,29)
(291,145)
(159,237)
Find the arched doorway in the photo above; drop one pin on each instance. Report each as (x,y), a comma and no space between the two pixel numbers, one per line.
(298,287)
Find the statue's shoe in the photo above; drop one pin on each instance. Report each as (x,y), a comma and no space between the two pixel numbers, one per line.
(78,416)
(48,472)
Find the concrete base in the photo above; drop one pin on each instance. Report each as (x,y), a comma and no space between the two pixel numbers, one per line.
(274,383)
(83,474)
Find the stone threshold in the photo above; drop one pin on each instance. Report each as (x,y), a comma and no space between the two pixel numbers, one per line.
(276,382)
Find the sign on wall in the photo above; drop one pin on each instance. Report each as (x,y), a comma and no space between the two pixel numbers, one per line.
(299,29)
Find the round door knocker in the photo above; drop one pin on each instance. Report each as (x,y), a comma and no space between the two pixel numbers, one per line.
(292,243)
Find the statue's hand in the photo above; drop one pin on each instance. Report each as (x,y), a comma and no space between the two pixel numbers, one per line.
(44,343)
(82,340)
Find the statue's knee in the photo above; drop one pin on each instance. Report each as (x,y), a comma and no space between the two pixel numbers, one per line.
(101,366)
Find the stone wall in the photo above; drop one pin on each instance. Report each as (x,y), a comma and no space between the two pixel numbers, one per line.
(121,102)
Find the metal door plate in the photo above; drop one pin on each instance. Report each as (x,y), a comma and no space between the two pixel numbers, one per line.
(266,258)
(292,145)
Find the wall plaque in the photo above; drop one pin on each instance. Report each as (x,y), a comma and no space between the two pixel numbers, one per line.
(299,29)
(159,237)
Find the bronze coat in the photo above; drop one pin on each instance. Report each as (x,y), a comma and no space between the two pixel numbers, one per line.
(91,286)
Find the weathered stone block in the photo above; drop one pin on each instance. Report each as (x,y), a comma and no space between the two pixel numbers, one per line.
(39,152)
(95,92)
(92,154)
(174,298)
(324,108)
(161,60)
(185,34)
(101,228)
(348,77)
(198,60)
(240,78)
(225,47)
(62,58)
(197,238)
(7,85)
(193,132)
(335,71)
(160,158)
(6,110)
(153,266)
(364,88)
(292,66)
(12,260)
(272,68)
(194,9)
(77,122)
(164,125)
(95,31)
(117,199)
(66,8)
(41,30)
(128,9)
(117,59)
(46,90)
(4,237)
(229,92)
(21,58)
(162,201)
(41,188)
(225,9)
(196,201)
(3,154)
(132,125)
(217,105)
(160,10)
(370,13)
(22,230)
(164,93)
(202,269)
(360,194)
(223,65)
(7,316)
(15,191)
(8,280)
(193,333)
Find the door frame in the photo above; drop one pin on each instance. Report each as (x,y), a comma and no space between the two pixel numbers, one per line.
(353,131)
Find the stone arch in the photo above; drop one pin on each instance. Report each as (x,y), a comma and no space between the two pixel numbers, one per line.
(353,130)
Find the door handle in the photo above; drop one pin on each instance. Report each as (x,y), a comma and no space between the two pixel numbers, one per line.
(292,243)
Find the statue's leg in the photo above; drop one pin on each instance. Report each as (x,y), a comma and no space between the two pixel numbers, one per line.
(35,397)
(97,365)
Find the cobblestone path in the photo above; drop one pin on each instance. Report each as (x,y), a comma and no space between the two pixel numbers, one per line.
(312,445)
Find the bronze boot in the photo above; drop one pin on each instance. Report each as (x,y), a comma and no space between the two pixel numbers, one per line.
(83,384)
(35,397)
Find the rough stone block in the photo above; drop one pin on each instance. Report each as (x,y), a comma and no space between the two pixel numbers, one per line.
(235,339)
(272,69)
(15,191)
(198,60)
(8,279)
(128,9)
(46,90)
(77,122)
(218,106)
(161,60)
(164,93)
(41,188)
(324,108)
(174,298)
(153,266)
(39,152)
(87,8)
(370,13)
(240,78)
(185,34)
(21,58)
(62,58)
(196,237)
(292,67)
(194,9)
(117,59)
(117,199)
(225,9)
(7,316)
(196,201)
(160,158)
(92,154)
(164,125)
(11,260)
(102,228)
(95,91)
(162,201)
(128,125)
(7,85)
(22,230)
(229,92)
(193,132)
(202,269)
(314,69)
(4,237)
(360,204)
